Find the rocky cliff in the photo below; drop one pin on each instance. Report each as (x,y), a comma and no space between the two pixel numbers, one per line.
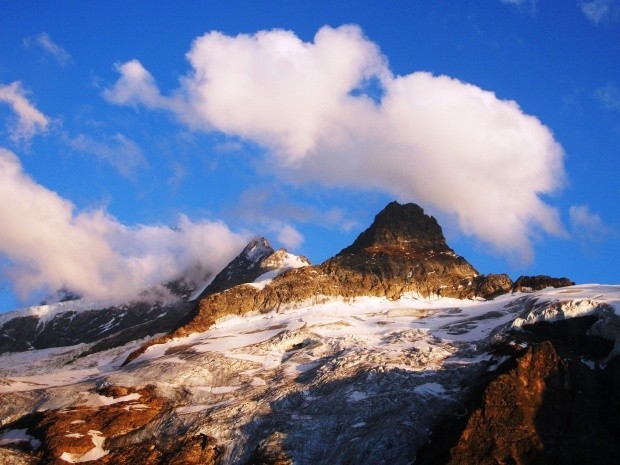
(556,400)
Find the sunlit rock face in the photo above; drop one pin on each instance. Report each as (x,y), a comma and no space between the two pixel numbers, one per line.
(556,401)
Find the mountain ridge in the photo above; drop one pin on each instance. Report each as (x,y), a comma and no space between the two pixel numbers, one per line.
(402,251)
(380,354)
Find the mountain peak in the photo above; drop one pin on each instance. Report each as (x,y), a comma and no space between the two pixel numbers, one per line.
(257,249)
(399,226)
(244,268)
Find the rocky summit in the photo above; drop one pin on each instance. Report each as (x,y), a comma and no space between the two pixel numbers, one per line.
(394,351)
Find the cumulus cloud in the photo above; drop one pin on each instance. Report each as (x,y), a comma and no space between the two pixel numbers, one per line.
(45,42)
(29,120)
(122,153)
(435,140)
(51,245)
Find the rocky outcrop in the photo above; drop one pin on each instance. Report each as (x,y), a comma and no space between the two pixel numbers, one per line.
(244,268)
(536,283)
(106,428)
(84,431)
(492,285)
(270,452)
(513,425)
(556,402)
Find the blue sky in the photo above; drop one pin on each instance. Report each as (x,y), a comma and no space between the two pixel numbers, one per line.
(138,139)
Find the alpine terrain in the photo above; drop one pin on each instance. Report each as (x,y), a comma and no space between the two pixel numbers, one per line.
(394,351)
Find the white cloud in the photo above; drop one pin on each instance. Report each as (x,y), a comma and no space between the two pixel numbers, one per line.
(608,96)
(29,121)
(599,10)
(430,139)
(136,86)
(51,245)
(44,41)
(586,225)
(122,153)
(288,236)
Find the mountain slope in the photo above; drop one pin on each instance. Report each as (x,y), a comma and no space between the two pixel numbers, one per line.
(363,381)
(387,353)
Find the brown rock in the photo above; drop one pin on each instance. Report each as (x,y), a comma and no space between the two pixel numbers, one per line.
(492,285)
(546,410)
(536,283)
(505,428)
(270,452)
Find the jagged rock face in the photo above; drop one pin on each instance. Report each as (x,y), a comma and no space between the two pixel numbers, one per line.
(554,403)
(536,283)
(513,424)
(270,452)
(400,227)
(245,268)
(492,285)
(403,250)
(107,326)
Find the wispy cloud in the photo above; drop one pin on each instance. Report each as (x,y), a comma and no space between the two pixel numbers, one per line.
(178,175)
(588,226)
(30,121)
(122,153)
(436,140)
(598,11)
(269,205)
(530,5)
(608,96)
(51,244)
(45,42)
(287,235)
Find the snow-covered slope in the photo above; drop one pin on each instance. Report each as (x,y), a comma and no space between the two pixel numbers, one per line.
(358,381)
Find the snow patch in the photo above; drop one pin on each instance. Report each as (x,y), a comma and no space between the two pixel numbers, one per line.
(95,453)
(97,400)
(430,389)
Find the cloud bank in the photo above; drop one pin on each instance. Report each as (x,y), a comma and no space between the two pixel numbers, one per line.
(51,245)
(30,121)
(331,112)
